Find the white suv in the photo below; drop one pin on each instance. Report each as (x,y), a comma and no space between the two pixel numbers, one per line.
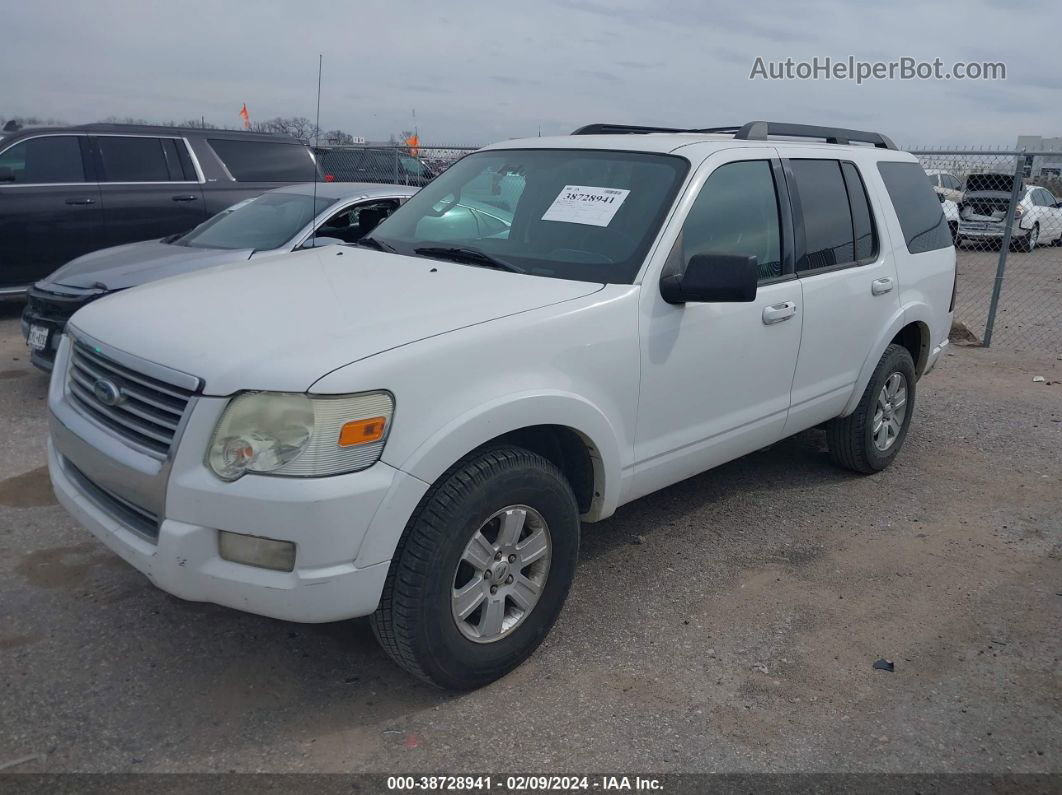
(415,432)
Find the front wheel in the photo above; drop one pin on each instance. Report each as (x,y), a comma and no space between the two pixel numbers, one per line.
(482,569)
(868,439)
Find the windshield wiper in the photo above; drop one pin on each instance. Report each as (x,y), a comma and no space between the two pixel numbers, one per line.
(372,242)
(470,256)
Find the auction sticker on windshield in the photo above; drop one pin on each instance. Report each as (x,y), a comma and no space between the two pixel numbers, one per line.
(579,204)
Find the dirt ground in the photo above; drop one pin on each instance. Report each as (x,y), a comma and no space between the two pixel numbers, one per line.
(729,623)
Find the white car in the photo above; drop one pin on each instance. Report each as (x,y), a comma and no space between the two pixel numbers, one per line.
(945,184)
(414,428)
(983,212)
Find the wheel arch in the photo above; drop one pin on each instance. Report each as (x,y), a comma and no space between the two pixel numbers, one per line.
(909,327)
(567,429)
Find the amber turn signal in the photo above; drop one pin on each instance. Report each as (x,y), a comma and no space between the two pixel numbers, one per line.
(362,431)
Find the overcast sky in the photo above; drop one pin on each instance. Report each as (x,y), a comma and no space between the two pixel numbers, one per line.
(477,72)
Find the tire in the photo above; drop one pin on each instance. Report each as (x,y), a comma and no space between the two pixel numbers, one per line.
(417,622)
(1028,243)
(851,439)
(954,228)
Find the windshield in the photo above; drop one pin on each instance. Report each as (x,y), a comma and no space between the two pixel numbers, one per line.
(567,213)
(266,222)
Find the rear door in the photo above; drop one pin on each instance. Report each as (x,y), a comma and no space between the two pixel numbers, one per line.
(848,278)
(49,207)
(148,187)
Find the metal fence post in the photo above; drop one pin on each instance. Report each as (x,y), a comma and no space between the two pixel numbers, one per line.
(1004,247)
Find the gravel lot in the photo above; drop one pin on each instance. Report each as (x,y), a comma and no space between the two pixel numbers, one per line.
(729,623)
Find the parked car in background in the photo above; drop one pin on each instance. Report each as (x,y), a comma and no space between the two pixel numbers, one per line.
(373,164)
(277,222)
(983,213)
(945,184)
(951,215)
(70,190)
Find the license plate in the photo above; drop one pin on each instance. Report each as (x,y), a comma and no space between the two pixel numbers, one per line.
(38,337)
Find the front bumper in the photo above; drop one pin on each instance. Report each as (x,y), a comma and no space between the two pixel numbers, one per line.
(337,574)
(52,309)
(185,562)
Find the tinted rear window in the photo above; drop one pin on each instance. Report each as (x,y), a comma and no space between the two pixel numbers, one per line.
(264,161)
(133,159)
(917,207)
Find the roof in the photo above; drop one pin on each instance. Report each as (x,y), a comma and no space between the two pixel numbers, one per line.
(666,143)
(348,190)
(145,129)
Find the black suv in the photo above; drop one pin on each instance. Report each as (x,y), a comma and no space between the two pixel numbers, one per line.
(65,191)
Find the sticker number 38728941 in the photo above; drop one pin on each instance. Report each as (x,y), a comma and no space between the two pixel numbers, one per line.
(579,204)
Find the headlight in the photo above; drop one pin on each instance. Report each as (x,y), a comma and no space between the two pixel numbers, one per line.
(300,435)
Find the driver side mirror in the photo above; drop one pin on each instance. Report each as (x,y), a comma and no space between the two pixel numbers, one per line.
(7,174)
(713,278)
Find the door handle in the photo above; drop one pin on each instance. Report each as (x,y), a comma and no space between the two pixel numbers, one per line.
(881,286)
(83,200)
(778,313)
(185,197)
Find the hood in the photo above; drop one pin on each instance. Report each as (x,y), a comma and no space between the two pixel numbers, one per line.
(283,323)
(135,263)
(990,183)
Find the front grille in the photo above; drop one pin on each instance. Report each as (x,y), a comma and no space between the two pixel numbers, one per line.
(138,519)
(148,410)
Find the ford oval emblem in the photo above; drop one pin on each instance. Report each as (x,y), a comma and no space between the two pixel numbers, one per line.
(107,392)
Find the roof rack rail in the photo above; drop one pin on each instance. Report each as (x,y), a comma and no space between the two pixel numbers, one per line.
(754,131)
(760,130)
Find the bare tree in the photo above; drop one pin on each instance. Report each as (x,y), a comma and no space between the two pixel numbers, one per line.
(296,126)
(337,137)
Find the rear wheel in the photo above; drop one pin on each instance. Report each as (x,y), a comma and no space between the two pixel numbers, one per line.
(868,439)
(482,570)
(1028,243)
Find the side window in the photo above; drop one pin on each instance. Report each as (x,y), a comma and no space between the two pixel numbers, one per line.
(829,238)
(736,212)
(917,208)
(866,242)
(264,161)
(53,158)
(133,159)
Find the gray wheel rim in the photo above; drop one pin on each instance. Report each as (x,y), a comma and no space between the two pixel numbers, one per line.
(890,411)
(1034,237)
(501,574)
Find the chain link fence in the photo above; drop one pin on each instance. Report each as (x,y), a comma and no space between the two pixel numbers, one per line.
(390,163)
(1006,218)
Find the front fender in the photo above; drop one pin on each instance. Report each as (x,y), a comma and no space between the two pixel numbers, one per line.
(513,412)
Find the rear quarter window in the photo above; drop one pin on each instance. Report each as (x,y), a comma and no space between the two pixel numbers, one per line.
(917,207)
(264,161)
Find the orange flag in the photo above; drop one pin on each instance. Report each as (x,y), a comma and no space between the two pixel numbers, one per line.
(245,116)
(413,142)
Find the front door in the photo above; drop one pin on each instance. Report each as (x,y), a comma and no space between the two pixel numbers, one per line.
(715,377)
(49,208)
